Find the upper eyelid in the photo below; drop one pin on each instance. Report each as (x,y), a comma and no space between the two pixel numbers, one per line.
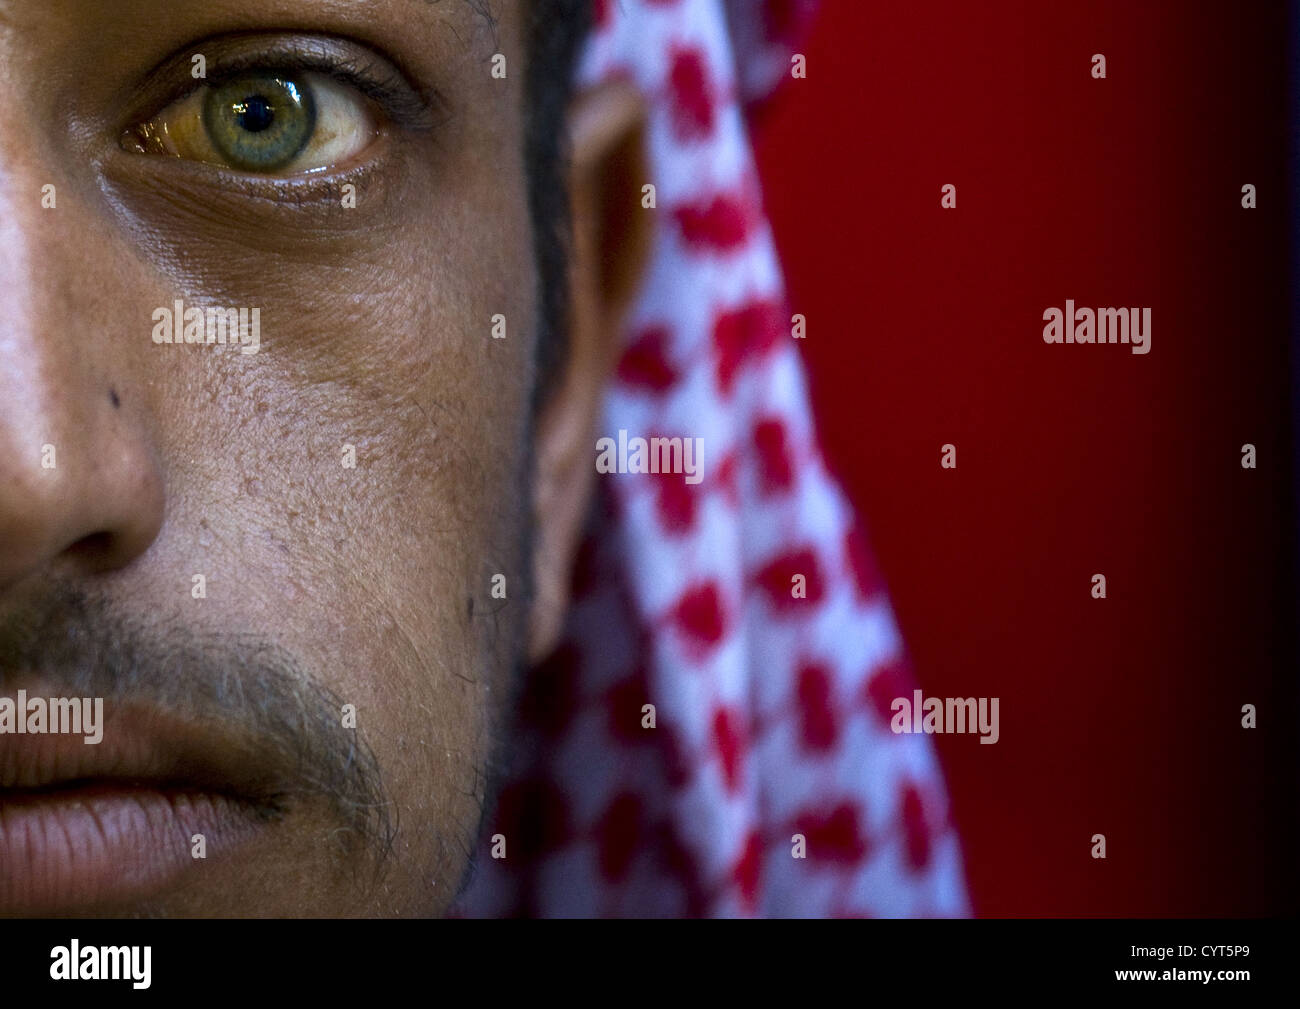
(348,62)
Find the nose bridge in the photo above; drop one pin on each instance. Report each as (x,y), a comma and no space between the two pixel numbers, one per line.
(35,357)
(74,469)
(35,258)
(21,365)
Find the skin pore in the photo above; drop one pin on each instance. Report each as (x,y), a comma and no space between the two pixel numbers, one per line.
(325,584)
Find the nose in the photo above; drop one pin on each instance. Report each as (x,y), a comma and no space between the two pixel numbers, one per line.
(80,480)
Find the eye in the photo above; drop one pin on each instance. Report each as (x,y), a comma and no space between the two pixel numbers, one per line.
(264,122)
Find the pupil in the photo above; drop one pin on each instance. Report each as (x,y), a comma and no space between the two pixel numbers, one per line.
(254,113)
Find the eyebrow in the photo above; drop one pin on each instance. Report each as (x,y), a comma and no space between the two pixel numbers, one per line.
(483,8)
(480,7)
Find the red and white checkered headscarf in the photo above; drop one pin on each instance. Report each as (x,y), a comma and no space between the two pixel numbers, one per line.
(771,710)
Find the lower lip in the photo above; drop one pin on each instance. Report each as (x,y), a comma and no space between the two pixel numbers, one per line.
(105,847)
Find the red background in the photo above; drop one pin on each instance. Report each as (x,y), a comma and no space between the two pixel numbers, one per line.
(1118,716)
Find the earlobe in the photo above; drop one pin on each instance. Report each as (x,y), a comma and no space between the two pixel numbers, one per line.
(611,240)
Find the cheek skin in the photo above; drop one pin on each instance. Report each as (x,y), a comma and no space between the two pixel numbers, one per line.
(380,341)
(366,572)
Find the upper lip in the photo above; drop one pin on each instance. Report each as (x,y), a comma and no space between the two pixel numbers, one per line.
(141,747)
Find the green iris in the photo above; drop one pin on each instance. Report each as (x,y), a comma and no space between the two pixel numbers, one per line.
(259,122)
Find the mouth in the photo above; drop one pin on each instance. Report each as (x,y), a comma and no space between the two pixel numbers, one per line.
(87,826)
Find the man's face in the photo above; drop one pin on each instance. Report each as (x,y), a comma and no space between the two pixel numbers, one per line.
(231,547)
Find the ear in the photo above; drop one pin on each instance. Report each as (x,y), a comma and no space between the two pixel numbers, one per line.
(610,248)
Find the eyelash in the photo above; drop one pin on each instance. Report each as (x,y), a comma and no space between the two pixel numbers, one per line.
(395,98)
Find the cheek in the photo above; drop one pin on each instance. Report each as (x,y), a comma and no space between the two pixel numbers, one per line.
(361,479)
(353,486)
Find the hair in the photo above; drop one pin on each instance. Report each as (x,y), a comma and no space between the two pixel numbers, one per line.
(556,31)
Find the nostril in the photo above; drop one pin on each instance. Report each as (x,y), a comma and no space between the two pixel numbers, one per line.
(94,547)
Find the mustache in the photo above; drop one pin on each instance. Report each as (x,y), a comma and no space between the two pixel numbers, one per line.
(246,689)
